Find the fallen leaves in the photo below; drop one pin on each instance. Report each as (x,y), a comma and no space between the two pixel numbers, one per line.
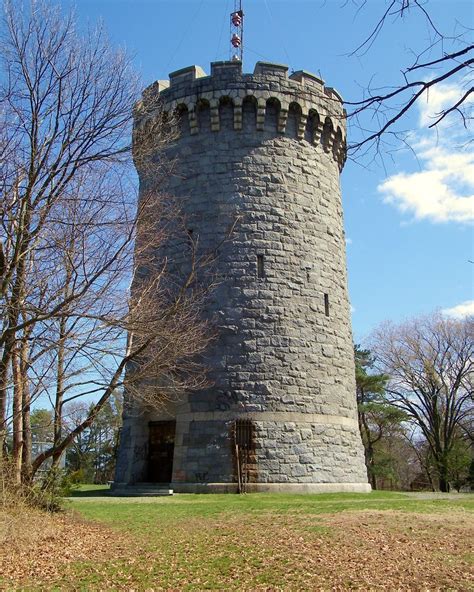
(36,546)
(357,550)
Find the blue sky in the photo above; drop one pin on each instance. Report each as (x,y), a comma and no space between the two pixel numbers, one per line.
(408,218)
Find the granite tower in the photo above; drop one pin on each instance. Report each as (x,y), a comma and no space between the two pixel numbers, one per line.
(280,415)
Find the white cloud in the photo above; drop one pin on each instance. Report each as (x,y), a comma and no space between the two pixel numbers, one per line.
(443,190)
(353,309)
(441,96)
(348,241)
(465,309)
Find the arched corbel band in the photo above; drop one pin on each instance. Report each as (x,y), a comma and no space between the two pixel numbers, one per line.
(295,119)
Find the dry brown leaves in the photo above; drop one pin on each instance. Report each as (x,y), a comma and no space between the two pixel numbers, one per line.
(388,550)
(363,550)
(36,546)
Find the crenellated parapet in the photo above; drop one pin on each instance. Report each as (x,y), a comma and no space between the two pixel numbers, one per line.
(298,106)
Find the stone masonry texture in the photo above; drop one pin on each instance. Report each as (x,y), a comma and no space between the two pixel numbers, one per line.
(261,153)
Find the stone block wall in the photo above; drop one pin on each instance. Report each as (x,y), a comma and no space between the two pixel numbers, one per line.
(262,153)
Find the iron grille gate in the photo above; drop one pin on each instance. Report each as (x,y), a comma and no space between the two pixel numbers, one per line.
(244,446)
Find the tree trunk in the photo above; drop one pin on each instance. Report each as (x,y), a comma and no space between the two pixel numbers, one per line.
(9,340)
(26,407)
(370,464)
(430,479)
(443,476)
(60,368)
(17,450)
(368,449)
(58,405)
(373,480)
(4,379)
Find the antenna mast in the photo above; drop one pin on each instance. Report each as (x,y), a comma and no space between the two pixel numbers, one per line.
(237,32)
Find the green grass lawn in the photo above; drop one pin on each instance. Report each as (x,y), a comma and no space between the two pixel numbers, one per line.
(142,511)
(257,542)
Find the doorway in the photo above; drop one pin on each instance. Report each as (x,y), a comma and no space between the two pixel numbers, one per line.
(160,451)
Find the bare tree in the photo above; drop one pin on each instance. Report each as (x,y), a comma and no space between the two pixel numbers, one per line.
(70,229)
(447,57)
(430,362)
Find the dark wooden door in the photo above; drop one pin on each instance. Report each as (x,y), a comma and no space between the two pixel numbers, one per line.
(160,451)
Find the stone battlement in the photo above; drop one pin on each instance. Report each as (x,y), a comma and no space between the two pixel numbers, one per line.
(299,104)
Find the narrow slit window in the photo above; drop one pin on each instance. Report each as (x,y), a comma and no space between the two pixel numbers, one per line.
(190,236)
(260,266)
(326,304)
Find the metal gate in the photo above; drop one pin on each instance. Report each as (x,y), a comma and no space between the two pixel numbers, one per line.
(244,450)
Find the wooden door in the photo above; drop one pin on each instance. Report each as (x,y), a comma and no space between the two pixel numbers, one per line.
(160,451)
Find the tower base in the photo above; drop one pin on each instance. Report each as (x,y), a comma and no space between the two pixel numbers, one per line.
(296,488)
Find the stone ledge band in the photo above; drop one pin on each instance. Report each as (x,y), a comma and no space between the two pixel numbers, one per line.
(178,487)
(268,416)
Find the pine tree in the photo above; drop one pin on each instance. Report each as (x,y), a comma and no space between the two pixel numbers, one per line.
(376,416)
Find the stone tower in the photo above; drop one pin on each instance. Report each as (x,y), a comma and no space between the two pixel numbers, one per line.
(267,148)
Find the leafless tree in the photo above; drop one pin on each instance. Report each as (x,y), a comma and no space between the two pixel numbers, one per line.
(447,57)
(70,229)
(430,361)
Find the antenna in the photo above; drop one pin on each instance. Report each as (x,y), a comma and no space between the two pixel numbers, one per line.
(237,32)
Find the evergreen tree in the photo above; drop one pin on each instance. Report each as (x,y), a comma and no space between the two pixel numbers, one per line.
(377,418)
(41,427)
(92,455)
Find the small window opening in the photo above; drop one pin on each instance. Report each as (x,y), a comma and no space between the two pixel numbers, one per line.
(244,433)
(326,304)
(190,236)
(260,266)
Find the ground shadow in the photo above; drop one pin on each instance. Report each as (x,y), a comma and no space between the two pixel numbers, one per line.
(86,490)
